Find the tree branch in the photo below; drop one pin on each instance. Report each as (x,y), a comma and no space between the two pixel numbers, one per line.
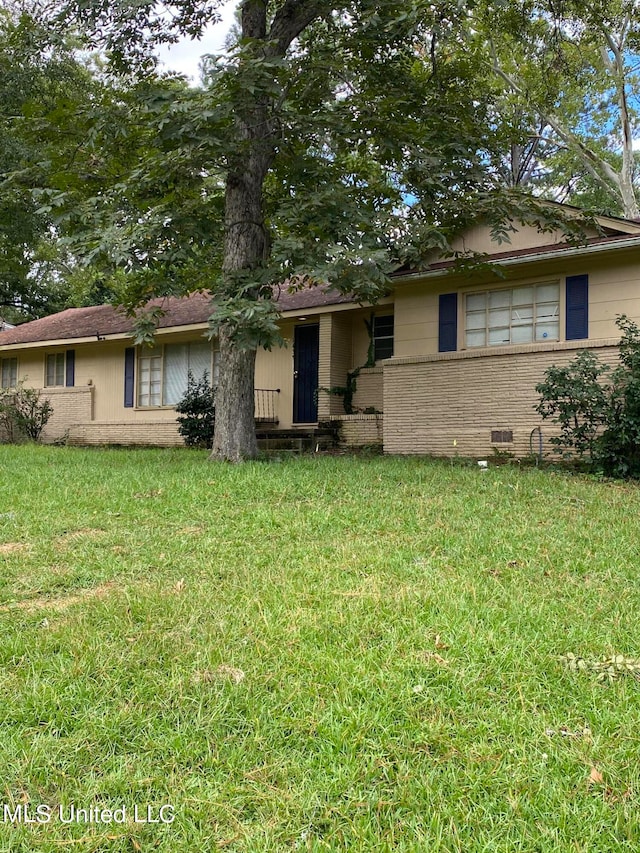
(292,18)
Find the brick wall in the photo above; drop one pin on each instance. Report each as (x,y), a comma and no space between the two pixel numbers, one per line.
(70,406)
(361,430)
(430,402)
(150,434)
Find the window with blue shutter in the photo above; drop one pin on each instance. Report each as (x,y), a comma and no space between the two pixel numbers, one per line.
(129,376)
(70,369)
(577,307)
(448,322)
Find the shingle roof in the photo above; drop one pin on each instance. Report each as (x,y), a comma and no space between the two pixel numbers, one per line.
(102,320)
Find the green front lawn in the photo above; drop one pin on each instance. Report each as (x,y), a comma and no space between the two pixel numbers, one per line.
(317,654)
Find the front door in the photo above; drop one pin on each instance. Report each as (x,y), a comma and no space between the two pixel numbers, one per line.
(306,346)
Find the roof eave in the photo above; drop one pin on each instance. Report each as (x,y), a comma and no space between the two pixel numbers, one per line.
(580,251)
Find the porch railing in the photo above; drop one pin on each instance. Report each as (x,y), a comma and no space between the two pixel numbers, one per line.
(266,405)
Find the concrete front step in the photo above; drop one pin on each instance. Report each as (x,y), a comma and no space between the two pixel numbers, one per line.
(295,441)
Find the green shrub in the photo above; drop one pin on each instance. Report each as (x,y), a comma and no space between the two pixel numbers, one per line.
(574,398)
(598,408)
(23,413)
(196,412)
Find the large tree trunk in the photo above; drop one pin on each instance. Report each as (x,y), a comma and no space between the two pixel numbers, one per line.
(235,433)
(245,248)
(246,244)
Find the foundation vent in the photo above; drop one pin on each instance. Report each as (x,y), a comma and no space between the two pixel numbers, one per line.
(501,436)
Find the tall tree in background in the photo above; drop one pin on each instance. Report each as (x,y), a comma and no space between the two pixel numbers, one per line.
(37,89)
(567,84)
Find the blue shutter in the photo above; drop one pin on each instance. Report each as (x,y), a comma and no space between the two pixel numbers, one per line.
(129,376)
(577,302)
(70,374)
(448,322)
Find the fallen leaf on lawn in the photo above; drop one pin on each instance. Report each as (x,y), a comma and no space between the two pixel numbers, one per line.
(595,777)
(434,656)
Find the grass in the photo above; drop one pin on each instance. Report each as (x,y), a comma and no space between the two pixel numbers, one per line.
(320,654)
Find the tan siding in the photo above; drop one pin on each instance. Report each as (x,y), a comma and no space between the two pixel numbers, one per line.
(478,239)
(341,355)
(325,401)
(334,362)
(432,402)
(274,369)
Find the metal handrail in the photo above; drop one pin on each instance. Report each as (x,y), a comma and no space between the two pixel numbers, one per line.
(266,408)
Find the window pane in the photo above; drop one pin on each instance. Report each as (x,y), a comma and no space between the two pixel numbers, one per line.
(149,378)
(522,296)
(524,314)
(499,336)
(476,339)
(476,301)
(9,372)
(60,368)
(383,326)
(547,331)
(522,334)
(547,293)
(499,317)
(383,337)
(500,299)
(547,311)
(176,365)
(55,369)
(477,320)
(179,359)
(199,360)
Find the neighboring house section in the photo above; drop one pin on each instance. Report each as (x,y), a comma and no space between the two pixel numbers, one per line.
(446,364)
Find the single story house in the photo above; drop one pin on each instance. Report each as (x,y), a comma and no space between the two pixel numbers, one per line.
(453,353)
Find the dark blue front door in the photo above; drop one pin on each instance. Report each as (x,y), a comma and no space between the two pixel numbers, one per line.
(306,341)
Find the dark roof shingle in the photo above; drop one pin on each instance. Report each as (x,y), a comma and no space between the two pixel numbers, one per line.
(102,320)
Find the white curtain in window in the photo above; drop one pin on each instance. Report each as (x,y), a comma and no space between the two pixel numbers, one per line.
(176,366)
(179,359)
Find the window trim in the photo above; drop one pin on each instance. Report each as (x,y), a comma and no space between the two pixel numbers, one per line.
(543,282)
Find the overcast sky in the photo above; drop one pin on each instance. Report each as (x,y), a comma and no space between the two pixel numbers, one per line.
(184,56)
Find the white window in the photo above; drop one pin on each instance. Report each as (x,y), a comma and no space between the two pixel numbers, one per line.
(163,371)
(522,315)
(55,369)
(8,372)
(150,377)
